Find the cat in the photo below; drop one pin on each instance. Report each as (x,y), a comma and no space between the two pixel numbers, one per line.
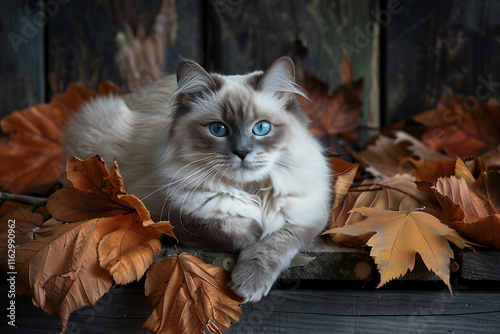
(228,160)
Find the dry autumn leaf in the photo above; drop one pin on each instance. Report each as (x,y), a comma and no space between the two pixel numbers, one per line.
(399,235)
(332,115)
(22,222)
(128,251)
(386,157)
(431,171)
(387,194)
(96,193)
(32,151)
(344,173)
(464,126)
(186,295)
(473,206)
(67,266)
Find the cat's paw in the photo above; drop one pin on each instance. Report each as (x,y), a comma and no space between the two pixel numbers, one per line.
(252,279)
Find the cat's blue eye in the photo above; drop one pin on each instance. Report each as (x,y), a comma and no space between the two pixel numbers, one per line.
(262,128)
(218,129)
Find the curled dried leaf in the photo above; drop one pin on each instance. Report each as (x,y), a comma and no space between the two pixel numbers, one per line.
(472,205)
(186,295)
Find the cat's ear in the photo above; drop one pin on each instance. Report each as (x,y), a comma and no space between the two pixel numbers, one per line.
(193,80)
(279,79)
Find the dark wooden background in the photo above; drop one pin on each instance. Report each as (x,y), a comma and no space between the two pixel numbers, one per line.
(424,49)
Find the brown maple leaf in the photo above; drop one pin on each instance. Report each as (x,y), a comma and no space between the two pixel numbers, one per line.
(186,295)
(32,151)
(399,235)
(65,266)
(332,115)
(464,126)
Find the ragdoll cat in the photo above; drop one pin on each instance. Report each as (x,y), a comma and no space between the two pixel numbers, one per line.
(228,160)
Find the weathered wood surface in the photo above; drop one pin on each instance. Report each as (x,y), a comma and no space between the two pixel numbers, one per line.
(437,48)
(290,312)
(22,71)
(481,266)
(328,262)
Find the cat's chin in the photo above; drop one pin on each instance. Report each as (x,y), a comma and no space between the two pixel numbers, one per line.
(250,173)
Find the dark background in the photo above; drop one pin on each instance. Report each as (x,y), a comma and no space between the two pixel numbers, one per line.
(423,50)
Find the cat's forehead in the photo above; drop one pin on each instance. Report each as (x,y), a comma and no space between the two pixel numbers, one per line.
(240,98)
(244,105)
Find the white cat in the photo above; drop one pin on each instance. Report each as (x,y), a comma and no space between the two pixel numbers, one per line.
(227,159)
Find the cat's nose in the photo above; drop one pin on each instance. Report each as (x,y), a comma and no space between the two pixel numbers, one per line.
(241,153)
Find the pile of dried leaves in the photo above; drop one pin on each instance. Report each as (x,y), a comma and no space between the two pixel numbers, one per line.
(89,237)
(403,196)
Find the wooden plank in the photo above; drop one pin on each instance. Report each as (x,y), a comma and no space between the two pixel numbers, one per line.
(118,309)
(325,262)
(483,265)
(437,48)
(330,262)
(22,77)
(299,311)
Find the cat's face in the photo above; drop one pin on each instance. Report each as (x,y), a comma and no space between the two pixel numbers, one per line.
(233,129)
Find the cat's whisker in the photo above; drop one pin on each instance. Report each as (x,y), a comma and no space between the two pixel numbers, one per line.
(191,190)
(181,182)
(188,177)
(153,192)
(195,154)
(169,184)
(189,164)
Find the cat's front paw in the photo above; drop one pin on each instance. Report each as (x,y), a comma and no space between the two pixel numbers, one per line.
(252,279)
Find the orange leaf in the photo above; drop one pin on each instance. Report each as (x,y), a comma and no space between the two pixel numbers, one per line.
(59,267)
(464,126)
(21,221)
(186,295)
(67,266)
(96,193)
(128,251)
(32,151)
